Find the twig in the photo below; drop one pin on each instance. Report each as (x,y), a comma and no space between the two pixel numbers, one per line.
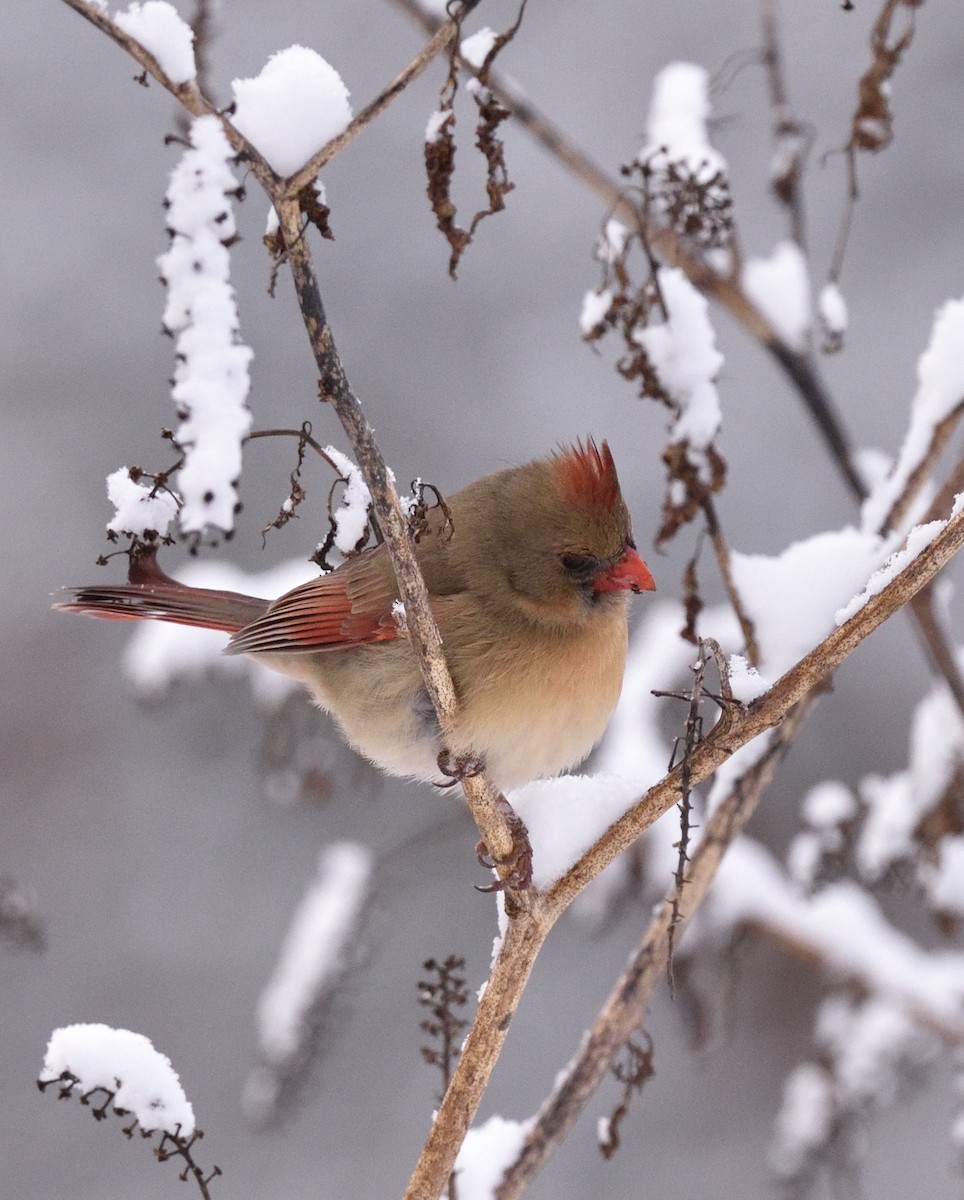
(510,973)
(872,127)
(789,142)
(722,552)
(303,435)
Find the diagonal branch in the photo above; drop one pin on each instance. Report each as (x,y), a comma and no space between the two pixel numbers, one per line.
(189,94)
(786,704)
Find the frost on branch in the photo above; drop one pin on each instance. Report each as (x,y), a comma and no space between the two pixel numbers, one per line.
(211,376)
(292,109)
(317,951)
(161,31)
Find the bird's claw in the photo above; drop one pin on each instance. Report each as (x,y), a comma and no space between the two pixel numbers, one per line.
(458,767)
(515,868)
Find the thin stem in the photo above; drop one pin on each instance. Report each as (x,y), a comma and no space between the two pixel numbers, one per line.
(722,552)
(335,389)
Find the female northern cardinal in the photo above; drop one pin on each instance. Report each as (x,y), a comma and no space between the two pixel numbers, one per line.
(527,576)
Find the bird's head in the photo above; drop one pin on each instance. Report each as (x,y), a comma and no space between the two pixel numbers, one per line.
(561,536)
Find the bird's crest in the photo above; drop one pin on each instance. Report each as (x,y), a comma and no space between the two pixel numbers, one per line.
(587,474)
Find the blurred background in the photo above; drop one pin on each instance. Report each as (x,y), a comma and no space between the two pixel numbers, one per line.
(164,874)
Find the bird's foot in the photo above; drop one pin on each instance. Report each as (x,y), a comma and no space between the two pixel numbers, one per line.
(515,868)
(457,767)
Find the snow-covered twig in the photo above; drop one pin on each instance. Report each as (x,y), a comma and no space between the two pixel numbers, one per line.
(124,1071)
(314,957)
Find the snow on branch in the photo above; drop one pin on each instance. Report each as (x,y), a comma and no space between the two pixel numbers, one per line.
(868,1050)
(316,952)
(939,395)
(780,288)
(162,32)
(211,376)
(294,107)
(140,1080)
(684,178)
(484,1155)
(909,817)
(351,521)
(145,513)
(676,126)
(682,350)
(793,597)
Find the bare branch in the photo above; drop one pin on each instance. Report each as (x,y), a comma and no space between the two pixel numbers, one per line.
(789,140)
(722,552)
(335,389)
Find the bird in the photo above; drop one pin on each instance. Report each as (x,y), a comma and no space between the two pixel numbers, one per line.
(528,572)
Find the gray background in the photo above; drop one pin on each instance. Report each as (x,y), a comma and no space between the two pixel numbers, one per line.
(165,877)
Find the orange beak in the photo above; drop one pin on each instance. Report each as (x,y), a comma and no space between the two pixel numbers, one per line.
(629,574)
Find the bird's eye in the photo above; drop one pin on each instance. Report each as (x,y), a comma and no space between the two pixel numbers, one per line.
(579,566)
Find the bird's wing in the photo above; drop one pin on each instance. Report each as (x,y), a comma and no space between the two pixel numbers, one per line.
(352,606)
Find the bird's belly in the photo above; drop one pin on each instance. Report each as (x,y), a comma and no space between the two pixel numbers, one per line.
(534,716)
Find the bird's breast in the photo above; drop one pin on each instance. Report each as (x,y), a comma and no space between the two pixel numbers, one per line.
(535,702)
